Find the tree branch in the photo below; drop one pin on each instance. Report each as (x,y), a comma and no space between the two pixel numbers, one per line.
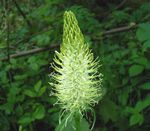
(30,52)
(119,29)
(37,50)
(121,4)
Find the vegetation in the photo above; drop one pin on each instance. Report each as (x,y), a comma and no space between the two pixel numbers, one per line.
(118,32)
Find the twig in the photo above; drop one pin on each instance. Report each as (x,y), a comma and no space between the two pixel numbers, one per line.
(29,52)
(120,29)
(22,13)
(37,50)
(106,33)
(121,4)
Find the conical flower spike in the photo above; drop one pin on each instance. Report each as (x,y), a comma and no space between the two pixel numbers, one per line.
(78,82)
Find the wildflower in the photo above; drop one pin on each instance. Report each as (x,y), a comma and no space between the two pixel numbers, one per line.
(78,82)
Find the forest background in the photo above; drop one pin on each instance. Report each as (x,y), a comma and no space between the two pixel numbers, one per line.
(118,32)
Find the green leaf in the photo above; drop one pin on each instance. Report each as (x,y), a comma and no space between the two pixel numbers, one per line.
(84,125)
(143,32)
(123,96)
(30,93)
(34,66)
(42,90)
(129,110)
(109,110)
(39,112)
(145,86)
(141,105)
(136,119)
(146,45)
(37,86)
(20,77)
(142,61)
(25,119)
(135,70)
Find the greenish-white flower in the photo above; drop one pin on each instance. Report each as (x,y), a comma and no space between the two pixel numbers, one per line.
(78,82)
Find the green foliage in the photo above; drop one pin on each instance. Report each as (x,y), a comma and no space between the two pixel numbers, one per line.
(25,100)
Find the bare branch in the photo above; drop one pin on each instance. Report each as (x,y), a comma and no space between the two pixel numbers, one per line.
(120,29)
(37,50)
(121,4)
(29,52)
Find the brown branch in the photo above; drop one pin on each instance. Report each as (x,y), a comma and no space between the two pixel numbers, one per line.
(37,50)
(120,29)
(30,52)
(121,4)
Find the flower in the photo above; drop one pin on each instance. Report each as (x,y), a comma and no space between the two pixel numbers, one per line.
(78,82)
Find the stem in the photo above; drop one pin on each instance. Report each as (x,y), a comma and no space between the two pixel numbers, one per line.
(78,122)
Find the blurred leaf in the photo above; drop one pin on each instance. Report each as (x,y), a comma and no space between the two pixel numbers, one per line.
(141,60)
(129,110)
(20,77)
(37,86)
(143,32)
(109,110)
(141,105)
(136,119)
(39,112)
(135,70)
(30,93)
(145,86)
(146,45)
(26,119)
(42,91)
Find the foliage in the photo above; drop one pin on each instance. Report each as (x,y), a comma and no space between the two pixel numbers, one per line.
(25,101)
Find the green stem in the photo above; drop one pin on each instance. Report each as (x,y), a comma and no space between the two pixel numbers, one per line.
(78,122)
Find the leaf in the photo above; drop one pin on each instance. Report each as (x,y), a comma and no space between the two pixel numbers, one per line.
(145,86)
(146,46)
(141,105)
(123,96)
(142,61)
(143,32)
(39,112)
(37,86)
(129,110)
(136,119)
(34,66)
(25,119)
(135,70)
(109,110)
(20,77)
(84,125)
(42,90)
(30,93)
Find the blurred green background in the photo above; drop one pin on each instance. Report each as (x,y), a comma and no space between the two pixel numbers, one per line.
(118,31)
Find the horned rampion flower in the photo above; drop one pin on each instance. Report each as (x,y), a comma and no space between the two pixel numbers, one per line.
(78,83)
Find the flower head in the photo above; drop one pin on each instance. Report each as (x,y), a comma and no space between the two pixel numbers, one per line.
(78,82)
